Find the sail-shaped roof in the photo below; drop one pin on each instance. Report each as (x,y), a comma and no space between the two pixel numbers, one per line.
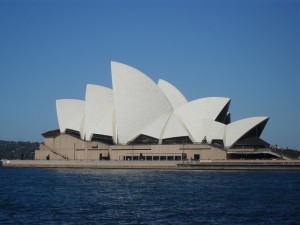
(175,97)
(137,107)
(234,131)
(137,100)
(155,128)
(193,113)
(98,102)
(70,114)
(174,128)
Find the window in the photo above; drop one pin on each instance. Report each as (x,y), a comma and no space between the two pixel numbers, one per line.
(155,157)
(196,157)
(177,140)
(177,158)
(170,158)
(144,140)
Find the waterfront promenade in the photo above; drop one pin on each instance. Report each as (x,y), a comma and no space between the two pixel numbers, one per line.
(173,165)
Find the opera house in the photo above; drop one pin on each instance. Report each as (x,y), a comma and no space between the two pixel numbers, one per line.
(140,120)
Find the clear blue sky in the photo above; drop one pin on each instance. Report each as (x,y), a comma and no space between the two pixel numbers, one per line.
(246,50)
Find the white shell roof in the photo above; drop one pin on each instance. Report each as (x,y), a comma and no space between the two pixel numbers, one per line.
(175,97)
(213,130)
(137,99)
(70,114)
(155,129)
(234,131)
(174,128)
(195,111)
(106,125)
(136,105)
(98,102)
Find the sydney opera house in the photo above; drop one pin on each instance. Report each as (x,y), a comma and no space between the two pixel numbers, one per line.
(139,119)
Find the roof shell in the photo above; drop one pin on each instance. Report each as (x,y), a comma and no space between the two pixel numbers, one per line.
(193,113)
(70,114)
(155,129)
(234,131)
(98,103)
(174,128)
(213,130)
(137,100)
(137,105)
(175,97)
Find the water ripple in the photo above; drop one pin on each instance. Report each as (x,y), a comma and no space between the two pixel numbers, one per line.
(67,196)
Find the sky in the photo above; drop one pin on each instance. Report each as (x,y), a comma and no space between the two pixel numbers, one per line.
(246,50)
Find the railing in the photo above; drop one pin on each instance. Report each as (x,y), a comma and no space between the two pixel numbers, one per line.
(260,150)
(57,153)
(271,151)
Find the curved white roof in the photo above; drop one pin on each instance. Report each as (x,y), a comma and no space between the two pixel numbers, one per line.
(175,97)
(106,126)
(174,128)
(70,114)
(195,111)
(137,105)
(98,102)
(155,129)
(234,131)
(213,130)
(137,99)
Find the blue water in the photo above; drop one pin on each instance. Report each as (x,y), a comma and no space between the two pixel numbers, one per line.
(84,196)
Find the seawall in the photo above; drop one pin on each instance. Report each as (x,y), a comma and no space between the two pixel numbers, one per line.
(242,165)
(174,165)
(90,164)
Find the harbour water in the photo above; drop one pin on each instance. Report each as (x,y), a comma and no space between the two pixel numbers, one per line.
(97,196)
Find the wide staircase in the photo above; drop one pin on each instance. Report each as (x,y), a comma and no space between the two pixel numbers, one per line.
(278,154)
(55,152)
(290,153)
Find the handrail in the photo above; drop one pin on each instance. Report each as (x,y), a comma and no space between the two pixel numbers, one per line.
(261,150)
(57,153)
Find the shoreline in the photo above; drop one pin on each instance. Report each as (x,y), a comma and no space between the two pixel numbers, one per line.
(168,165)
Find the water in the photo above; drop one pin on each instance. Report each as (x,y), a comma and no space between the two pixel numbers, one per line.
(83,196)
